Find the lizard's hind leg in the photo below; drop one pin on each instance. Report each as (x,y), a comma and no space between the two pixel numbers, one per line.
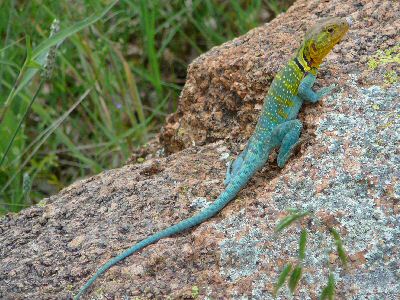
(234,167)
(286,135)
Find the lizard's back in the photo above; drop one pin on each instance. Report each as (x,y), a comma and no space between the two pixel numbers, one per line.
(280,104)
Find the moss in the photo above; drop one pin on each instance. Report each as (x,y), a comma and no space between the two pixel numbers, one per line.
(391,77)
(382,58)
(391,55)
(195,291)
(42,203)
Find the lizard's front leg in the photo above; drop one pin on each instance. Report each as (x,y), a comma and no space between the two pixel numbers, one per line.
(307,94)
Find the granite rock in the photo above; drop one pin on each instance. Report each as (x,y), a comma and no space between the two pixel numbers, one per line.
(346,171)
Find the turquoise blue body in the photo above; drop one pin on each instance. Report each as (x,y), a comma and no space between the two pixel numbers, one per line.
(277,126)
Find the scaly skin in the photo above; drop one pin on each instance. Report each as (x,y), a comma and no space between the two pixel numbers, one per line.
(277,126)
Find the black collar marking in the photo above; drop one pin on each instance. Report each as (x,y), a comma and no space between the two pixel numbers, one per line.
(299,65)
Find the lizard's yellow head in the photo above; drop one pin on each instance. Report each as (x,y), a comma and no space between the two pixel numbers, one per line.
(321,38)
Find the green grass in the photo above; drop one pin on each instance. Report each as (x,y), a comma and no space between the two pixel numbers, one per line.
(115,79)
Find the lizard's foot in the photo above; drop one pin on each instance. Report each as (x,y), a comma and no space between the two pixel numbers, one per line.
(325,91)
(306,93)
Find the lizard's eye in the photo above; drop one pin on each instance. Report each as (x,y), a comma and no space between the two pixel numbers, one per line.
(331,30)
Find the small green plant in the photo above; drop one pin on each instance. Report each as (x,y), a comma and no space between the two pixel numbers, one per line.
(294,278)
(339,246)
(288,220)
(296,272)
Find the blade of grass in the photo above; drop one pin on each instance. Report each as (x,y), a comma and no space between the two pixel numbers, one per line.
(286,221)
(147,20)
(46,73)
(21,121)
(295,278)
(282,278)
(302,244)
(6,38)
(14,43)
(39,53)
(67,32)
(328,293)
(13,91)
(339,247)
(132,87)
(50,130)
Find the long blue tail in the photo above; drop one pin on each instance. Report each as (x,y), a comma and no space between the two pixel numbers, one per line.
(230,192)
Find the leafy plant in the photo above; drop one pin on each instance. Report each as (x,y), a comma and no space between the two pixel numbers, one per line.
(295,273)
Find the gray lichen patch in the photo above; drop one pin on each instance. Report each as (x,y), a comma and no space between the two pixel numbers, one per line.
(240,256)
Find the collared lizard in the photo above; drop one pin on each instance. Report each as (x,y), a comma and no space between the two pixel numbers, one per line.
(277,126)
